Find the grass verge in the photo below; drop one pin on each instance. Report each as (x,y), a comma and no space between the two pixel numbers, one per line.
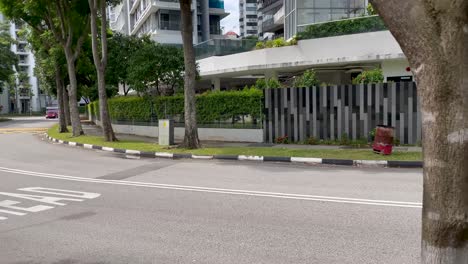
(2,119)
(353,154)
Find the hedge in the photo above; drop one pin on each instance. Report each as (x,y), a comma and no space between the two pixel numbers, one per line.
(211,106)
(343,27)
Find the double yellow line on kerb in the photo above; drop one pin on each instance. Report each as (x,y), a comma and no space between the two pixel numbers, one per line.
(13,130)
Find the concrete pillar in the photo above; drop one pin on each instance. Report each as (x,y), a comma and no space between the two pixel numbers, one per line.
(195,22)
(271,75)
(205,25)
(216,84)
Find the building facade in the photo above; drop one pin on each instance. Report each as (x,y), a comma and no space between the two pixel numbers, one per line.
(248,19)
(161,19)
(26,96)
(271,17)
(301,13)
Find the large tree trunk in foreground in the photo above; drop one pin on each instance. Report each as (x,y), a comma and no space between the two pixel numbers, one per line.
(191,131)
(60,93)
(77,130)
(434,37)
(101,63)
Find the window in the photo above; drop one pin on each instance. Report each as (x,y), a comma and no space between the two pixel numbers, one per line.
(251,24)
(254,32)
(170,20)
(251,16)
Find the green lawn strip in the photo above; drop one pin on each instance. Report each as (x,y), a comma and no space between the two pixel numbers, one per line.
(2,119)
(353,154)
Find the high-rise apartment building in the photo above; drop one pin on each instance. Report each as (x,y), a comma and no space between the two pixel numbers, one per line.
(248,19)
(161,19)
(27,96)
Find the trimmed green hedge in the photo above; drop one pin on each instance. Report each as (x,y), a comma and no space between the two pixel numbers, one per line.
(343,27)
(211,106)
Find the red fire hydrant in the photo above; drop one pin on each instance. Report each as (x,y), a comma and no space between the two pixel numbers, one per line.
(383,142)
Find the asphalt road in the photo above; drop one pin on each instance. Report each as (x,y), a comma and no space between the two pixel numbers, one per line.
(64,205)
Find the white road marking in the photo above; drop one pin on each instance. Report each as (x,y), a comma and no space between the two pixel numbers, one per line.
(33,209)
(41,199)
(11,212)
(68,193)
(9,204)
(221,190)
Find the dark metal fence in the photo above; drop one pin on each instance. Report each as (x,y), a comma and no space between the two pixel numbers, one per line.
(333,111)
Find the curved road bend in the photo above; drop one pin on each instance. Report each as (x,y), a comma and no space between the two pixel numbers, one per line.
(60,204)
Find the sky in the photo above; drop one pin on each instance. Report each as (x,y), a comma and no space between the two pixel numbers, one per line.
(231,22)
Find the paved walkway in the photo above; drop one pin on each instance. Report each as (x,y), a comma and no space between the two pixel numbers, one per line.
(96,131)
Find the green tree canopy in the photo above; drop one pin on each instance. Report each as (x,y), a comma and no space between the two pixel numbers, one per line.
(156,68)
(8,59)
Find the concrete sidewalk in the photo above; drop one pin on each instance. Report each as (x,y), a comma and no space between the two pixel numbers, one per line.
(94,130)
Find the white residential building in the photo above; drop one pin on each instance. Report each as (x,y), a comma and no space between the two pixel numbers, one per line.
(24,100)
(248,19)
(161,19)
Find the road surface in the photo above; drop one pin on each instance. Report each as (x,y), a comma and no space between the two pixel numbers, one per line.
(60,204)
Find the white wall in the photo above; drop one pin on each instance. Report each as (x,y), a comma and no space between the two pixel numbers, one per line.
(167,37)
(393,68)
(208,134)
(341,50)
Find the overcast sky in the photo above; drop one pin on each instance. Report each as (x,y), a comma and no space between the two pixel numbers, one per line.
(231,22)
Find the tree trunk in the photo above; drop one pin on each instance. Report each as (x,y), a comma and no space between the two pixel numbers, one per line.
(434,37)
(66,103)
(101,64)
(191,140)
(77,130)
(60,92)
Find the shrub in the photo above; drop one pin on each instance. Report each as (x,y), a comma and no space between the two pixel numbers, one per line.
(344,139)
(273,84)
(307,79)
(343,27)
(372,134)
(211,107)
(312,141)
(279,42)
(260,45)
(275,43)
(282,140)
(370,76)
(261,84)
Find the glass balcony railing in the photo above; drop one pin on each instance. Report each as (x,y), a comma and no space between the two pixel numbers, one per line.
(222,47)
(216,4)
(169,25)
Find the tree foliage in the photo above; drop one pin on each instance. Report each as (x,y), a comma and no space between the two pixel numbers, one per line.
(122,49)
(156,69)
(8,59)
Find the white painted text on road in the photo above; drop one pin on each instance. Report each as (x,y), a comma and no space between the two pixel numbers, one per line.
(55,197)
